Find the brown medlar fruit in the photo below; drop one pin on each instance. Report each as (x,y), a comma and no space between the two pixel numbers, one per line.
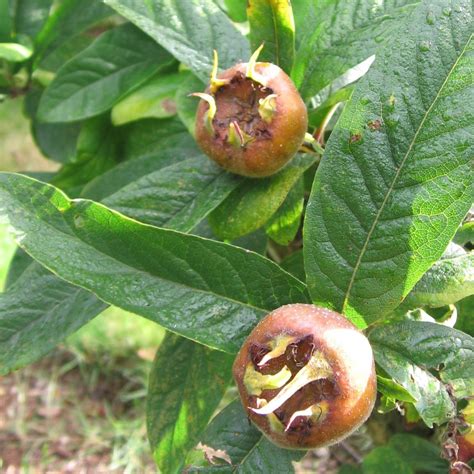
(251,120)
(306,377)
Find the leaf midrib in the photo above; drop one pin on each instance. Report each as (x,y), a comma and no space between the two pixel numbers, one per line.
(397,174)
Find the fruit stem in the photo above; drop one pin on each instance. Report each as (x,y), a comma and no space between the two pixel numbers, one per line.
(311,141)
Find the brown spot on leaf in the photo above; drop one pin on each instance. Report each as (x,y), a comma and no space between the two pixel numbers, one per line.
(355,137)
(374,124)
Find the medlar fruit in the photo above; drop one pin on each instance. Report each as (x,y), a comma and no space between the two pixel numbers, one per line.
(251,119)
(306,377)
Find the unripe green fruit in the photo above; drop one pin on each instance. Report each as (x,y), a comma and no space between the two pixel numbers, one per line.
(251,120)
(306,377)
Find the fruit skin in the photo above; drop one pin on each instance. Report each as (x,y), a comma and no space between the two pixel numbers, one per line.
(349,355)
(284,134)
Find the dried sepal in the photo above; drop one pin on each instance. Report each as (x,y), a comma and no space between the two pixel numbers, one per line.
(209,117)
(215,83)
(251,72)
(278,347)
(317,368)
(256,383)
(267,107)
(314,413)
(237,137)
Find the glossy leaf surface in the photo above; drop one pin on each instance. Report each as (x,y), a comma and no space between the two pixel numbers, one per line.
(188,31)
(395,181)
(408,350)
(152,269)
(98,77)
(337,35)
(271,23)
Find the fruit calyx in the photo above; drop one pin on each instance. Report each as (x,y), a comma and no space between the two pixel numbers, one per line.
(302,364)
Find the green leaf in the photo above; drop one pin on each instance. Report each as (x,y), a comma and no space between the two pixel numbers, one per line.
(350,469)
(188,31)
(53,299)
(408,350)
(465,234)
(37,312)
(387,460)
(465,321)
(420,454)
(284,225)
(70,18)
(338,35)
(271,23)
(96,153)
(149,146)
(394,185)
(157,273)
(30,15)
(294,264)
(15,52)
(237,10)
(317,115)
(5,21)
(187,106)
(7,249)
(236,446)
(18,264)
(447,281)
(393,390)
(57,141)
(187,382)
(253,203)
(49,299)
(152,137)
(177,196)
(117,62)
(154,99)
(64,53)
